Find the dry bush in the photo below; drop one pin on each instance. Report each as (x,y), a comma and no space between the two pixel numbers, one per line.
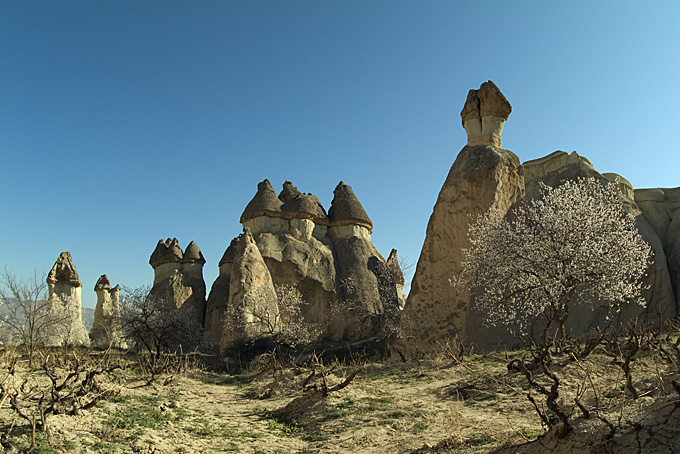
(63,385)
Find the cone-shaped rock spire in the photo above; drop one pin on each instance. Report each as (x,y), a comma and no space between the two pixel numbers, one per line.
(346,208)
(265,203)
(192,254)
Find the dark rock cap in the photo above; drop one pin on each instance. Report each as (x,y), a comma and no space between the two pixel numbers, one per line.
(265,203)
(297,205)
(103,283)
(64,271)
(346,209)
(230,253)
(487,100)
(192,254)
(167,251)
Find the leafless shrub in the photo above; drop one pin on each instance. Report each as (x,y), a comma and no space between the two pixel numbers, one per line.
(542,357)
(623,350)
(63,386)
(153,323)
(30,319)
(316,389)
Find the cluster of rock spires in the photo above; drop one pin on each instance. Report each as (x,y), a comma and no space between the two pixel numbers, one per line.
(486,176)
(65,309)
(289,239)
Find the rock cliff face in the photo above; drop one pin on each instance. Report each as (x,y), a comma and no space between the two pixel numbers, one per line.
(483,176)
(178,277)
(660,209)
(330,259)
(64,290)
(106,329)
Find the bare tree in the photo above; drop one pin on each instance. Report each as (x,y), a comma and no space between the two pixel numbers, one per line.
(29,316)
(576,242)
(152,322)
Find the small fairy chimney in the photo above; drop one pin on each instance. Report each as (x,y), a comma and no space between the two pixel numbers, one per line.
(106,329)
(64,290)
(483,115)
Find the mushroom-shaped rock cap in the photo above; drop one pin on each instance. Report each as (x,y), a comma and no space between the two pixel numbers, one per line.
(64,271)
(167,251)
(265,203)
(192,254)
(297,205)
(230,253)
(346,209)
(486,101)
(102,284)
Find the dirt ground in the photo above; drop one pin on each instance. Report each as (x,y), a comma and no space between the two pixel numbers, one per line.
(476,404)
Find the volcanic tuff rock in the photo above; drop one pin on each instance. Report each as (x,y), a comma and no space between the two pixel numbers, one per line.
(252,309)
(178,277)
(106,329)
(660,208)
(216,305)
(483,115)
(64,296)
(483,176)
(330,259)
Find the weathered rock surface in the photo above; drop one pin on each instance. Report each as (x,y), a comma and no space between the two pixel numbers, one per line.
(216,305)
(482,177)
(252,310)
(64,294)
(660,209)
(106,329)
(178,278)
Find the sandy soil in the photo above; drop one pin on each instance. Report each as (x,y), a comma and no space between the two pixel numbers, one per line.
(395,408)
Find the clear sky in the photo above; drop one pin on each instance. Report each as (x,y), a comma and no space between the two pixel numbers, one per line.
(124,122)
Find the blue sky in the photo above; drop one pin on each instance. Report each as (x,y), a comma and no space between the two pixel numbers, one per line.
(124,122)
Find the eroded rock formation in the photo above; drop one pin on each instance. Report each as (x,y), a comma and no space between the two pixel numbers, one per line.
(106,329)
(252,310)
(178,278)
(64,296)
(660,208)
(330,259)
(483,176)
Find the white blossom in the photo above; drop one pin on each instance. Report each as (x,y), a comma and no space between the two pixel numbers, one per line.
(575,243)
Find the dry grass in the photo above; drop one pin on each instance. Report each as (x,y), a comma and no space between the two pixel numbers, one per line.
(475,405)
